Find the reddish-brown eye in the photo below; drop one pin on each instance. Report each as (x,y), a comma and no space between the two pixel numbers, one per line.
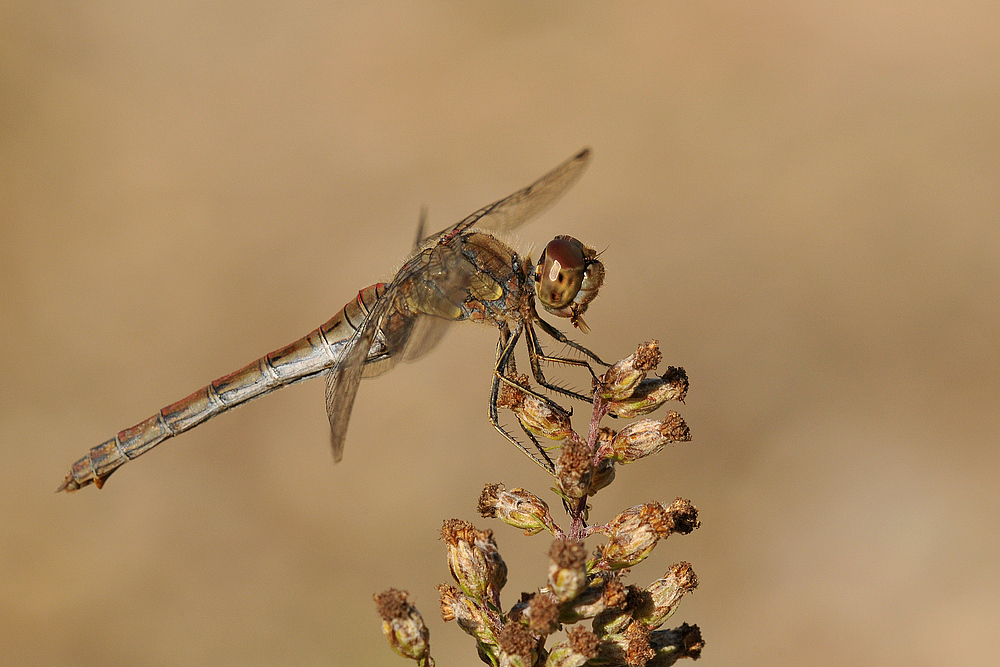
(559,273)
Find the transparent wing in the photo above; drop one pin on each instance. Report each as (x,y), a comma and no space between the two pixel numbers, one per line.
(438,272)
(436,277)
(342,382)
(424,334)
(526,203)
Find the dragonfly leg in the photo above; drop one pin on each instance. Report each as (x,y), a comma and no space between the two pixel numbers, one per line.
(562,338)
(535,356)
(511,367)
(505,349)
(420,228)
(504,369)
(549,465)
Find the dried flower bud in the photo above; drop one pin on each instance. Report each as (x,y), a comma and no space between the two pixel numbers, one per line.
(567,569)
(474,560)
(581,645)
(542,614)
(645,437)
(404,627)
(633,535)
(683,516)
(537,416)
(630,647)
(518,507)
(449,602)
(456,606)
(616,618)
(665,594)
(619,381)
(574,468)
(672,645)
(517,647)
(651,393)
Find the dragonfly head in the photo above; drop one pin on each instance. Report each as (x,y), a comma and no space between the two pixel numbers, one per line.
(567,278)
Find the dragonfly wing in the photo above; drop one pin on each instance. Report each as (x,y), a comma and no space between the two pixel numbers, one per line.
(427,332)
(526,203)
(375,367)
(423,334)
(435,278)
(343,381)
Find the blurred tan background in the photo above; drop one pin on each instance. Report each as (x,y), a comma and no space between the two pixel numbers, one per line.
(798,199)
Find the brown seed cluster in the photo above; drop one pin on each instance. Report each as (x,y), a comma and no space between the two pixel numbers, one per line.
(624,620)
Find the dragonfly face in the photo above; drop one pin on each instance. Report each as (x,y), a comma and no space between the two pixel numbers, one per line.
(567,278)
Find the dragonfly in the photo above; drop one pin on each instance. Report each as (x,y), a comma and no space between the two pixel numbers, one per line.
(464,272)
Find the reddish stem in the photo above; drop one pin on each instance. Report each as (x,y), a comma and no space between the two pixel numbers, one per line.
(578,530)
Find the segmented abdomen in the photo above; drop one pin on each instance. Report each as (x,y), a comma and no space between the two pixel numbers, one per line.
(314,353)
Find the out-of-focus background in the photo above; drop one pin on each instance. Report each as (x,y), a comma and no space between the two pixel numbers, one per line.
(798,199)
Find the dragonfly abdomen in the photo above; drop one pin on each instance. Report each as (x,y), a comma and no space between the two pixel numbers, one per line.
(307,357)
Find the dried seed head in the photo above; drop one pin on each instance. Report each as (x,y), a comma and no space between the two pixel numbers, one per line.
(537,416)
(581,645)
(616,618)
(489,500)
(683,516)
(604,437)
(615,593)
(474,560)
(630,647)
(517,647)
(637,649)
(449,599)
(404,627)
(645,437)
(567,569)
(543,614)
(619,381)
(583,641)
(633,535)
(672,645)
(518,507)
(574,468)
(665,594)
(651,393)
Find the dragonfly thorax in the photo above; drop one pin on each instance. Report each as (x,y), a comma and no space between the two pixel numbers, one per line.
(494,284)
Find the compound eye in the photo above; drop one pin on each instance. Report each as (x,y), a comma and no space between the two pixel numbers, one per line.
(559,273)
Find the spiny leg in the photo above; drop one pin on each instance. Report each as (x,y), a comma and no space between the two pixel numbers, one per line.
(420,228)
(535,356)
(562,338)
(505,349)
(549,465)
(508,370)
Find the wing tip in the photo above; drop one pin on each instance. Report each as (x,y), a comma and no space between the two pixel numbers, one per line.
(337,449)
